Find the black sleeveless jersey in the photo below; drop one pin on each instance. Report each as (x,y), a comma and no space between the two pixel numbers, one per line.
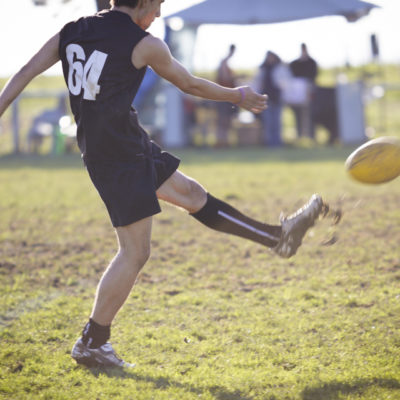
(95,52)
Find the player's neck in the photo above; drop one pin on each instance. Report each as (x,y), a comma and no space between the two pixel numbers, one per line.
(126,10)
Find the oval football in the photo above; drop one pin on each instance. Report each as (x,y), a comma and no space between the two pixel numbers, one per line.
(376,161)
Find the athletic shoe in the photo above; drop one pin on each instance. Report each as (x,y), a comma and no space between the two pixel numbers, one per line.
(296,225)
(104,356)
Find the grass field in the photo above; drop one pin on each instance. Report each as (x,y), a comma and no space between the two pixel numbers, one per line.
(212,316)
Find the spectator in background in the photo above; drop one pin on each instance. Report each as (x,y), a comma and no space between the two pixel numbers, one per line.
(304,69)
(46,124)
(225,111)
(271,80)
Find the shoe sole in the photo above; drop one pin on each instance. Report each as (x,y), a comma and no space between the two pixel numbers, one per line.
(296,238)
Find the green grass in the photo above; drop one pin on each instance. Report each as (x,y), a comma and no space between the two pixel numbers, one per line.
(212,316)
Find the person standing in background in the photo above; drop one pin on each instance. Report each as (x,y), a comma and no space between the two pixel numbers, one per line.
(225,111)
(273,74)
(305,69)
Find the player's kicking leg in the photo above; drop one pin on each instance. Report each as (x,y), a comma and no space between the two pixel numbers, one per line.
(284,239)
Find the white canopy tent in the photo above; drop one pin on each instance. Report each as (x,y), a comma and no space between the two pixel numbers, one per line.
(248,12)
(270,11)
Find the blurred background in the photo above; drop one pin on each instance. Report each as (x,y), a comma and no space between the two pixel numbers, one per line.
(336,81)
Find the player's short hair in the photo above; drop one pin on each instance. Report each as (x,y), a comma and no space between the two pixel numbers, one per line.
(128,3)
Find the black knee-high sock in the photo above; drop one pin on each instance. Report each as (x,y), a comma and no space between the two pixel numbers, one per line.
(95,335)
(222,217)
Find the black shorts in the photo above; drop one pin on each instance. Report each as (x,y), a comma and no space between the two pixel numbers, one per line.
(128,188)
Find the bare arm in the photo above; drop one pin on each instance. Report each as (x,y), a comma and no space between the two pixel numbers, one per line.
(155,53)
(40,62)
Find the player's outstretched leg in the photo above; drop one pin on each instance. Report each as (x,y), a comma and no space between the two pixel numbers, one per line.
(217,214)
(284,239)
(295,226)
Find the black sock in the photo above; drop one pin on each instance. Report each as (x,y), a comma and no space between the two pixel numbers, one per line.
(95,335)
(222,217)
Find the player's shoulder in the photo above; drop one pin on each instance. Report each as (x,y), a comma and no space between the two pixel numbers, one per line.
(152,43)
(150,48)
(148,51)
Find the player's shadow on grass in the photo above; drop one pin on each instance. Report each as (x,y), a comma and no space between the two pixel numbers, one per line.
(335,390)
(162,382)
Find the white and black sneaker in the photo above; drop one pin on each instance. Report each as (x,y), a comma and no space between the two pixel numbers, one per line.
(104,356)
(295,226)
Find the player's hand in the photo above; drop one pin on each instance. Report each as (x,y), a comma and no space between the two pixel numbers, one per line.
(252,101)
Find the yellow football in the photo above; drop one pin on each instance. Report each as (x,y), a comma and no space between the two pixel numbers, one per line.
(376,161)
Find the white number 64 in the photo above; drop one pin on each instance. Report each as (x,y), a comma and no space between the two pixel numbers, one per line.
(84,75)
